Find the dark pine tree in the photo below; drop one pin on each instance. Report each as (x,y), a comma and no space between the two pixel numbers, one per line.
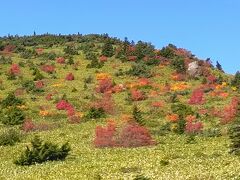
(219,66)
(108,49)
(236,80)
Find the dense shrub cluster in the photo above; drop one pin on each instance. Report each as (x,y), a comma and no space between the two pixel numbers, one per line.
(130,135)
(140,70)
(12,116)
(41,152)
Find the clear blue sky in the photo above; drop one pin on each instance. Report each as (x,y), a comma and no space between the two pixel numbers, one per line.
(209,28)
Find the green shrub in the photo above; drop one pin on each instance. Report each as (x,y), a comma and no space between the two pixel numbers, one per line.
(12,116)
(167,52)
(178,64)
(144,49)
(9,137)
(88,80)
(37,75)
(28,85)
(70,50)
(164,162)
(11,100)
(183,111)
(234,134)
(28,53)
(107,49)
(95,64)
(70,60)
(41,152)
(90,55)
(5,60)
(140,70)
(95,113)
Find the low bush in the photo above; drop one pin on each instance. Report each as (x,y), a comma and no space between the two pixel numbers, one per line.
(95,113)
(9,137)
(12,116)
(41,152)
(11,100)
(140,70)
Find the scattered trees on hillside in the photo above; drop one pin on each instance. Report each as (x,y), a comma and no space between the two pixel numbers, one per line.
(107,49)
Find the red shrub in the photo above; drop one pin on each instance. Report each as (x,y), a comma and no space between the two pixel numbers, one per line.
(132,58)
(178,77)
(74,119)
(106,103)
(118,88)
(104,85)
(63,105)
(134,135)
(197,97)
(28,125)
(157,104)
(60,60)
(14,70)
(70,77)
(211,79)
(193,128)
(104,136)
(70,111)
(203,111)
(19,92)
(103,58)
(229,112)
(131,135)
(49,97)
(137,95)
(39,84)
(143,81)
(48,68)
(9,48)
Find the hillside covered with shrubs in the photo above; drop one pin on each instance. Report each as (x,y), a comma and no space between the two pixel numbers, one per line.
(97,107)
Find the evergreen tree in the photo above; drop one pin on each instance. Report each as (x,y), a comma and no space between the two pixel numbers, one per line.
(108,49)
(219,66)
(178,64)
(234,134)
(236,80)
(41,152)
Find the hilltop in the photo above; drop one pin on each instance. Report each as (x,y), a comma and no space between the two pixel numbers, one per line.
(126,109)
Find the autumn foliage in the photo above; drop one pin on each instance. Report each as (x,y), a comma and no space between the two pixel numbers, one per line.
(14,70)
(69,77)
(229,112)
(197,97)
(104,85)
(48,68)
(130,135)
(137,95)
